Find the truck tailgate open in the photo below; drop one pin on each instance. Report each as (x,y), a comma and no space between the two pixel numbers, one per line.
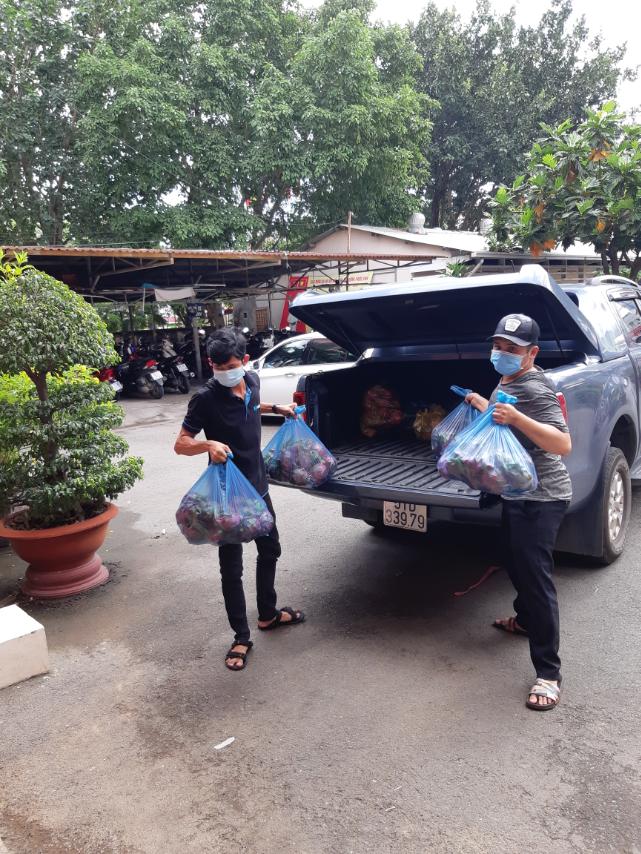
(396,470)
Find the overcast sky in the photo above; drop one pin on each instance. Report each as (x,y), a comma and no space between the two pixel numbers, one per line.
(617,20)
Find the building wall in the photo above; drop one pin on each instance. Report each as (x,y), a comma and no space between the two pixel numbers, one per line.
(377,244)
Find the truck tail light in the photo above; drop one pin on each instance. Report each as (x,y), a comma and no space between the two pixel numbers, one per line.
(299,400)
(563,404)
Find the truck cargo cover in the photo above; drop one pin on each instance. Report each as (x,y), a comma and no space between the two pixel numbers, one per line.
(447,317)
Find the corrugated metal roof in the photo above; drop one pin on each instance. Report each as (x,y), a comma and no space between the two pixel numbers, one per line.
(275,257)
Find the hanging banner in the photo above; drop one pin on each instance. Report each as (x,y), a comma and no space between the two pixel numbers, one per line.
(297,284)
(173,294)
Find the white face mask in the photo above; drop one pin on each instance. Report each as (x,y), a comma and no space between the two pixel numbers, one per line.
(229,378)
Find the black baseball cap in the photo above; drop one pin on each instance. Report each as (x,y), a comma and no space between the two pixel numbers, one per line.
(519,329)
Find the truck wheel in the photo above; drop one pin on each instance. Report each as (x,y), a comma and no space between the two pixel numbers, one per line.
(616,500)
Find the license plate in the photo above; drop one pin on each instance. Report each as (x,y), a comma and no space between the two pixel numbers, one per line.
(182,367)
(156,375)
(411,517)
(116,386)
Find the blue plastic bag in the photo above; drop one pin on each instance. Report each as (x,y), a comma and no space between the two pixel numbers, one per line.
(223,508)
(296,456)
(489,457)
(458,420)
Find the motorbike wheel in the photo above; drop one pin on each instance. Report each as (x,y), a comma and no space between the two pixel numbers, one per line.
(156,390)
(183,384)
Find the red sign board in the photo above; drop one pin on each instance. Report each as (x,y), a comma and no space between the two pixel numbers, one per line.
(297,284)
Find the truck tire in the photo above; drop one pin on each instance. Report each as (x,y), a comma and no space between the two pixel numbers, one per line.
(616,501)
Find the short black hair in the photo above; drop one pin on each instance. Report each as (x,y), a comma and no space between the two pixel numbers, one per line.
(226,344)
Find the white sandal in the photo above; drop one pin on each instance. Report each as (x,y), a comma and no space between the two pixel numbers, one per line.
(544,688)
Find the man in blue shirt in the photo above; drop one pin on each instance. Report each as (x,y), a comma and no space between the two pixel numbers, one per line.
(228,409)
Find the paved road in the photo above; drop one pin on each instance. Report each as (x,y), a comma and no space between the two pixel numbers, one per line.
(393,721)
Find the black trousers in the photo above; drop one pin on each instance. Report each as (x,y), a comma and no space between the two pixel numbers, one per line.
(530,529)
(231,571)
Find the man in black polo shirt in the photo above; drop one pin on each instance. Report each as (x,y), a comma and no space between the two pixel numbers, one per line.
(228,410)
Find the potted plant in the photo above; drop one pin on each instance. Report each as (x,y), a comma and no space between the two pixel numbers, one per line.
(60,462)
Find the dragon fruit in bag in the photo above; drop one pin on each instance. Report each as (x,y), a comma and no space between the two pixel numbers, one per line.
(222,508)
(296,456)
(488,456)
(455,423)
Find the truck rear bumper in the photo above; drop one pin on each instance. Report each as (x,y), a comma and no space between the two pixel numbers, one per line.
(372,511)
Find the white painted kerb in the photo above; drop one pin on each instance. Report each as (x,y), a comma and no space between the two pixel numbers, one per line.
(23,646)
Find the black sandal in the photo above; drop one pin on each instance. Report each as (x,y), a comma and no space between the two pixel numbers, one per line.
(510,626)
(234,655)
(278,622)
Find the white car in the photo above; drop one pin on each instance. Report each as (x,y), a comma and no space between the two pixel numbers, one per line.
(281,367)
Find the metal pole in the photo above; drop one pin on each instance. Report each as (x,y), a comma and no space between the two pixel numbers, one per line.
(131,316)
(349,232)
(196,339)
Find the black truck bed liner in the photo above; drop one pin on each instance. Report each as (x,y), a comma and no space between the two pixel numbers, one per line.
(404,467)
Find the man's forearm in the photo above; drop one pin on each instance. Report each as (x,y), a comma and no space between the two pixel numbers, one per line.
(190,447)
(547,437)
(266,408)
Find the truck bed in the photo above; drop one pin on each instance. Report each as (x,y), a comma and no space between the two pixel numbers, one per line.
(402,469)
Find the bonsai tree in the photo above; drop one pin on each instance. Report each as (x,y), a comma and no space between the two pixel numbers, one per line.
(60,462)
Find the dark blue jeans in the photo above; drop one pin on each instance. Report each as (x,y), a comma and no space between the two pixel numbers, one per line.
(231,571)
(530,529)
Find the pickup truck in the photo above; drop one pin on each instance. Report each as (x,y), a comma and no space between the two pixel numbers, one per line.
(422,338)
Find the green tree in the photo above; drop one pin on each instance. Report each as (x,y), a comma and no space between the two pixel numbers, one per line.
(37,124)
(227,123)
(365,124)
(582,182)
(495,82)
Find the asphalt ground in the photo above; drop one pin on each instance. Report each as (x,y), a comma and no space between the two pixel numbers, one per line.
(392,721)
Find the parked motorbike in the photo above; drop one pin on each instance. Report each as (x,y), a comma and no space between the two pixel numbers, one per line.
(285,332)
(259,342)
(141,376)
(108,375)
(188,354)
(173,368)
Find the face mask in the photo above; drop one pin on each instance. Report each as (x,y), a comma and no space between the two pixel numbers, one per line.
(229,378)
(506,363)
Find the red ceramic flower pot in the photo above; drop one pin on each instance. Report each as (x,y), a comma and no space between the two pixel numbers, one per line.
(63,560)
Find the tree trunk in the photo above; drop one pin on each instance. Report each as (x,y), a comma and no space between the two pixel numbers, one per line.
(605,263)
(39,379)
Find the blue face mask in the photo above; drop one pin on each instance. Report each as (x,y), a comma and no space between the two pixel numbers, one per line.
(506,364)
(229,378)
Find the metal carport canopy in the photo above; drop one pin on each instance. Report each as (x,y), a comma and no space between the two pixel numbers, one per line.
(119,274)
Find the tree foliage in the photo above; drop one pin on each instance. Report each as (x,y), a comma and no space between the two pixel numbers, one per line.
(223,123)
(495,82)
(582,182)
(234,123)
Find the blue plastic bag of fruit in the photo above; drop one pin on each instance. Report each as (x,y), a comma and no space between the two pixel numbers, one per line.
(296,456)
(455,423)
(489,457)
(223,508)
